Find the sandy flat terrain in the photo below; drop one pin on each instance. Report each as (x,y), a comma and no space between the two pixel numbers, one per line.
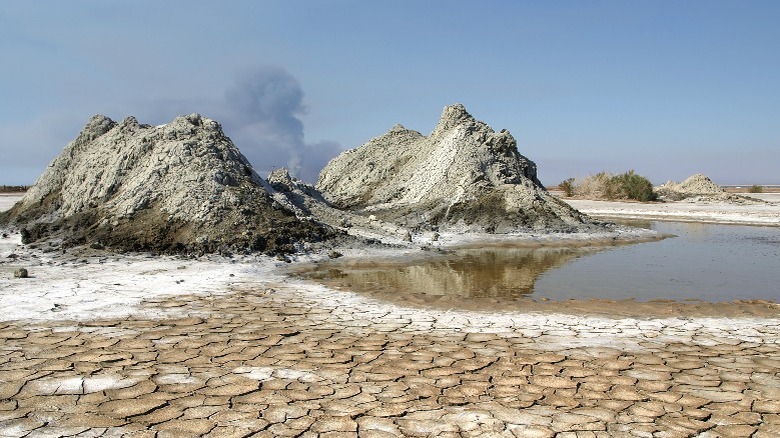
(101,345)
(7,200)
(757,214)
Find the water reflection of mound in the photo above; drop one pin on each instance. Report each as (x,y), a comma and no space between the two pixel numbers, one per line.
(479,273)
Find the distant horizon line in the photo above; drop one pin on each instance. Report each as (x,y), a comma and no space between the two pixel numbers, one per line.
(17,188)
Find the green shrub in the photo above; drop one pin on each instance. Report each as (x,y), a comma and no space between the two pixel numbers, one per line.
(568,187)
(756,189)
(629,185)
(604,185)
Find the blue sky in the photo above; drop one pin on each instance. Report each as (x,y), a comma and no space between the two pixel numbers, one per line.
(668,88)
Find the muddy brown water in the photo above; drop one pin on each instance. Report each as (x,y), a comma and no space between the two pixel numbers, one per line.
(704,262)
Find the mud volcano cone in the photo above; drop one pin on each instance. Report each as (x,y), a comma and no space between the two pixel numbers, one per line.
(464,174)
(183,187)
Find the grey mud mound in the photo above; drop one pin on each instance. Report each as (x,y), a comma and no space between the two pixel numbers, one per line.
(176,188)
(307,202)
(695,185)
(463,175)
(700,188)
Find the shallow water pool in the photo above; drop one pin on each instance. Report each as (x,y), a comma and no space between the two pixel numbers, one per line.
(704,262)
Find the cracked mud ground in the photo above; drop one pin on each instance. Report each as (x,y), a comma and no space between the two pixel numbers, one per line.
(277,362)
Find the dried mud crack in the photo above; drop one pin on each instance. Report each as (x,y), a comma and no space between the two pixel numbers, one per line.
(273,362)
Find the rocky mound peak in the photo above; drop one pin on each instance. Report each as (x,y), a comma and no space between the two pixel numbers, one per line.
(452,116)
(699,183)
(463,173)
(180,187)
(694,185)
(702,189)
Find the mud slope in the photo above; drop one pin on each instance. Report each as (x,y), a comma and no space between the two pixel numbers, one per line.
(463,175)
(183,187)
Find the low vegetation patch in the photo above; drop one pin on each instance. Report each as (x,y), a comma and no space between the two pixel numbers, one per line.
(13,189)
(604,185)
(756,189)
(567,186)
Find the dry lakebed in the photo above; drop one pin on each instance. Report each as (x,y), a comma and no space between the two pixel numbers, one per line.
(104,345)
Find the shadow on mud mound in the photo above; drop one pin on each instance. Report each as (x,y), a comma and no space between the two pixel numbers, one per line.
(272,233)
